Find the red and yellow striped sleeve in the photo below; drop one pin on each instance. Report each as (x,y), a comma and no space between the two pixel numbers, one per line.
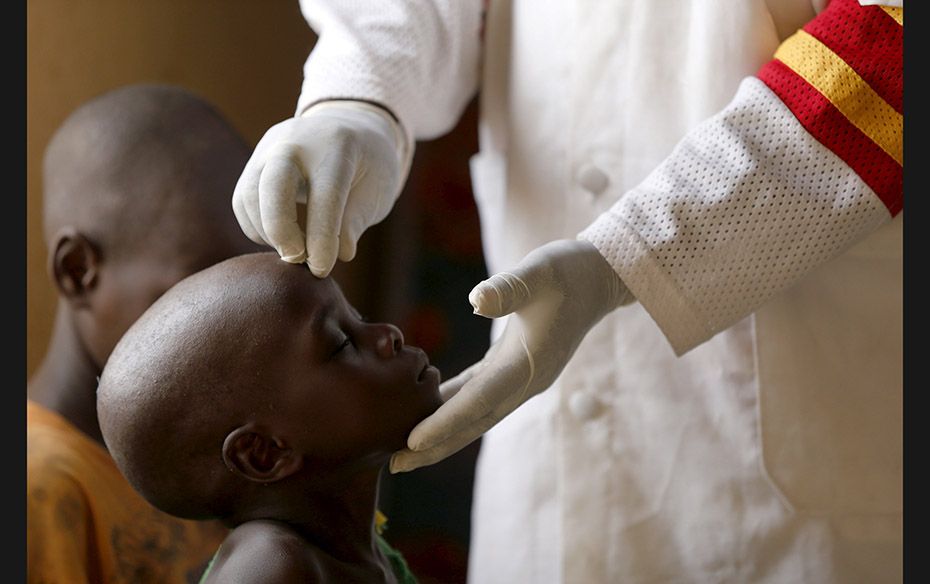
(803,163)
(842,77)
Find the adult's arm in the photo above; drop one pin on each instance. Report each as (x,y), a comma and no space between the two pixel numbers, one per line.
(383,73)
(419,59)
(805,161)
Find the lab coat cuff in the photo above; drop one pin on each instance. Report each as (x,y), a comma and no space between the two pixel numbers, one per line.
(626,251)
(318,98)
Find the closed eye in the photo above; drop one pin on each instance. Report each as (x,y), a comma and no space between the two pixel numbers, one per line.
(347,342)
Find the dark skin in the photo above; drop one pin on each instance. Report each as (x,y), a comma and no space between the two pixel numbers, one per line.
(107,301)
(310,403)
(106,269)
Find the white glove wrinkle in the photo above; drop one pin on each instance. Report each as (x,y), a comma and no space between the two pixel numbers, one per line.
(524,393)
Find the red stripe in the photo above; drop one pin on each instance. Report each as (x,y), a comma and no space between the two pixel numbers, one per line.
(831,128)
(870,41)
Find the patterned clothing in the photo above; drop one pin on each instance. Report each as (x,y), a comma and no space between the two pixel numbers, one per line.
(85,523)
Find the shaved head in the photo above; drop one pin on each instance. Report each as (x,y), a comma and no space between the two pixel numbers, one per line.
(138,189)
(186,373)
(255,342)
(126,163)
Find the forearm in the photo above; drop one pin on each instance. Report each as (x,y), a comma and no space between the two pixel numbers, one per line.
(419,59)
(803,163)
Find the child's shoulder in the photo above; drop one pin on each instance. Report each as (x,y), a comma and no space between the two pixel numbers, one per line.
(265,551)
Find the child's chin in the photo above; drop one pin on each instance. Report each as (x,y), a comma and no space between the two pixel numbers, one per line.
(430,407)
(427,410)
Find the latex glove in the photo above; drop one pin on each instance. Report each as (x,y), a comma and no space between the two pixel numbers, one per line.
(556,294)
(346,160)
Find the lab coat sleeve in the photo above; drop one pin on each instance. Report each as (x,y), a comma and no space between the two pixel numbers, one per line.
(417,58)
(805,161)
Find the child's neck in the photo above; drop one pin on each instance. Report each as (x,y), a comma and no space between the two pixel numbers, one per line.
(338,519)
(66,381)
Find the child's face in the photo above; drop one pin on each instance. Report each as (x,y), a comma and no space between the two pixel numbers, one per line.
(350,388)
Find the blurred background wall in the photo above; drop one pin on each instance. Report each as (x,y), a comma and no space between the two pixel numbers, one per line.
(414,269)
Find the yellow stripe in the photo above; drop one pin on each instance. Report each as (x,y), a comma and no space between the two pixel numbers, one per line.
(896,13)
(846,90)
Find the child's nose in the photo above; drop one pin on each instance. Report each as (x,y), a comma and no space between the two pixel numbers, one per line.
(389,340)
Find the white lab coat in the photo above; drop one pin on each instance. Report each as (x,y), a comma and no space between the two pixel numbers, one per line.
(760,444)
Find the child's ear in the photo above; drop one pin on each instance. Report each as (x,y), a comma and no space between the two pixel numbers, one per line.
(259,457)
(74,265)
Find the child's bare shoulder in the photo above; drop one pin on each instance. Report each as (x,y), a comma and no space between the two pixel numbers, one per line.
(268,552)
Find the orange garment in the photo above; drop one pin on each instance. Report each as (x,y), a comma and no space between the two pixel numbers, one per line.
(85,523)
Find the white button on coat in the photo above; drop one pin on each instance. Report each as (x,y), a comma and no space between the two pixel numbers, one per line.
(592,179)
(583,405)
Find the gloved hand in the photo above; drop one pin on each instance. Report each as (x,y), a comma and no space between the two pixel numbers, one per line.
(556,294)
(347,160)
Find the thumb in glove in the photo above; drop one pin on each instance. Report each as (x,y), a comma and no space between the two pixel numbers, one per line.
(554,296)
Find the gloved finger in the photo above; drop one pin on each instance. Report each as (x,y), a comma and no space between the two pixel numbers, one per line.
(407,460)
(349,234)
(245,223)
(499,385)
(280,181)
(329,189)
(450,387)
(245,202)
(453,385)
(363,209)
(505,292)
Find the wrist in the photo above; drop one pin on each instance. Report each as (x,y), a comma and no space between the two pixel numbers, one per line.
(618,294)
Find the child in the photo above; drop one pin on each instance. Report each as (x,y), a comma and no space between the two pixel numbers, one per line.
(252,392)
(136,196)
